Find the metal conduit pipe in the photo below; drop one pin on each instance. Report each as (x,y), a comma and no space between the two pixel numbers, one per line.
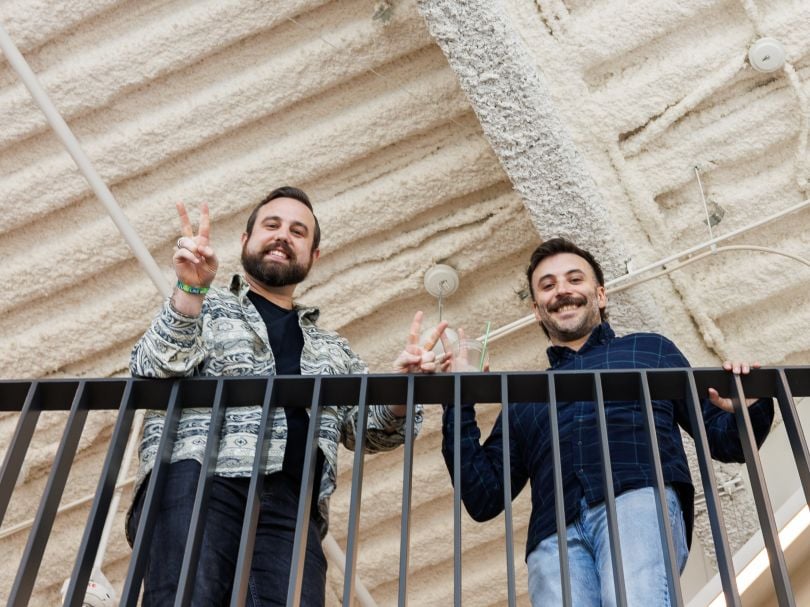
(705,249)
(335,554)
(142,254)
(68,139)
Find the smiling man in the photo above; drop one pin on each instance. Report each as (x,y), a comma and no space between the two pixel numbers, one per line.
(251,328)
(569,301)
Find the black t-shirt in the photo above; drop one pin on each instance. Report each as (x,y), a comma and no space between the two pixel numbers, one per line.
(287,342)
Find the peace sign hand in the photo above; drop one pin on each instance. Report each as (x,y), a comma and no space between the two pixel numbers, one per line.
(422,359)
(195,262)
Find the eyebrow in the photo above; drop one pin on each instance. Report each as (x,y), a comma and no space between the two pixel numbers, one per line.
(568,273)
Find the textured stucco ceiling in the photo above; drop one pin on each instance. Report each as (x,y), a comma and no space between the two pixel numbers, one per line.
(354,101)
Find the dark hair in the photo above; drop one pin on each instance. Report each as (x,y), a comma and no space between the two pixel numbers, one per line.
(555,246)
(286,192)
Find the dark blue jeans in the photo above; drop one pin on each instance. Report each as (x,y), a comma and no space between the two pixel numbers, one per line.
(272,554)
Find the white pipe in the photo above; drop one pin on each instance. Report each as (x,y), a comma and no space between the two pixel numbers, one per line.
(705,254)
(331,548)
(129,453)
(336,555)
(68,139)
(710,244)
(142,254)
(9,531)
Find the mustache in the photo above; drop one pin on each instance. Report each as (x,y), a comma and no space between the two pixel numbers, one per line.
(282,246)
(568,300)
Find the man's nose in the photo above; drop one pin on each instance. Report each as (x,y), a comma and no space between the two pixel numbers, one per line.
(283,233)
(562,288)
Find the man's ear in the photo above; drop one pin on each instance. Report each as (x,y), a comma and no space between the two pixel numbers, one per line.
(315,255)
(244,238)
(601,297)
(536,311)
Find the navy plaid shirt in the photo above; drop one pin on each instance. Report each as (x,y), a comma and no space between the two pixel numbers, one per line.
(530,439)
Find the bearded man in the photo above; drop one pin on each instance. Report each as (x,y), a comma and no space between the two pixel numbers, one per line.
(569,301)
(251,328)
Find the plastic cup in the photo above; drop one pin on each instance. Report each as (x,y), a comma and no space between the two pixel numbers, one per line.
(469,355)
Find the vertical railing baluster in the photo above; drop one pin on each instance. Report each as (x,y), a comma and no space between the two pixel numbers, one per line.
(96,520)
(767,521)
(456,490)
(15,453)
(559,493)
(507,494)
(188,570)
(721,545)
(609,494)
(407,484)
(46,514)
(305,499)
(661,504)
(253,503)
(152,499)
(356,493)
(798,444)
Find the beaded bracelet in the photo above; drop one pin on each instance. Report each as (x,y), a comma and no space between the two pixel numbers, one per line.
(191,289)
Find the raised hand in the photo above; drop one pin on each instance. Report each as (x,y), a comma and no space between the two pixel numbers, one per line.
(195,262)
(417,358)
(738,368)
(465,359)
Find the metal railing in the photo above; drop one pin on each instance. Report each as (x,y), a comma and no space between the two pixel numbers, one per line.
(80,396)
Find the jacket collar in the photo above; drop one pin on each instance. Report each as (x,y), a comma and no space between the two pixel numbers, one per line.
(240,287)
(600,335)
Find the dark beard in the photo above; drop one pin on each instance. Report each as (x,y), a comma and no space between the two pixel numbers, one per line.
(585,328)
(274,274)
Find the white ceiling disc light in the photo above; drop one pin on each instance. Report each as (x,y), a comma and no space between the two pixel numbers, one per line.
(441,280)
(767,55)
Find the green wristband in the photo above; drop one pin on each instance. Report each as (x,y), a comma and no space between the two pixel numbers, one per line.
(191,289)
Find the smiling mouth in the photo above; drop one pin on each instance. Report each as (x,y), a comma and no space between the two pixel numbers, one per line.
(567,304)
(278,252)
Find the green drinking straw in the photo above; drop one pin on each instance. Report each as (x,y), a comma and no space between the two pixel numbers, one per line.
(484,347)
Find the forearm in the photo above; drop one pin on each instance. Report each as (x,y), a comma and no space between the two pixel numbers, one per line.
(723,433)
(384,430)
(481,465)
(171,347)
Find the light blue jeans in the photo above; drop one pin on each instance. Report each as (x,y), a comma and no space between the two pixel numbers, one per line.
(589,558)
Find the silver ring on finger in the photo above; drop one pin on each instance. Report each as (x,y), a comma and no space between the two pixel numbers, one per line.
(179,241)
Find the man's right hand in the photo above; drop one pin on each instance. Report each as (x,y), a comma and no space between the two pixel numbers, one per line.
(195,262)
(416,358)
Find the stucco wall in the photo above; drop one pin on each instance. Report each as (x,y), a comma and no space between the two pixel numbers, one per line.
(355,102)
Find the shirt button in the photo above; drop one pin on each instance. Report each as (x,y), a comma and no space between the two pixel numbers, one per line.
(581,471)
(579,443)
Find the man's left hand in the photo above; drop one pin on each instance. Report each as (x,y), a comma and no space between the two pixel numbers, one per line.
(738,368)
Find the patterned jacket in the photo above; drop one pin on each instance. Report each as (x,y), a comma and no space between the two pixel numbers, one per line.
(229,338)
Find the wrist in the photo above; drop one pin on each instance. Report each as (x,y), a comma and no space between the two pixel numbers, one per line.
(192,289)
(186,304)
